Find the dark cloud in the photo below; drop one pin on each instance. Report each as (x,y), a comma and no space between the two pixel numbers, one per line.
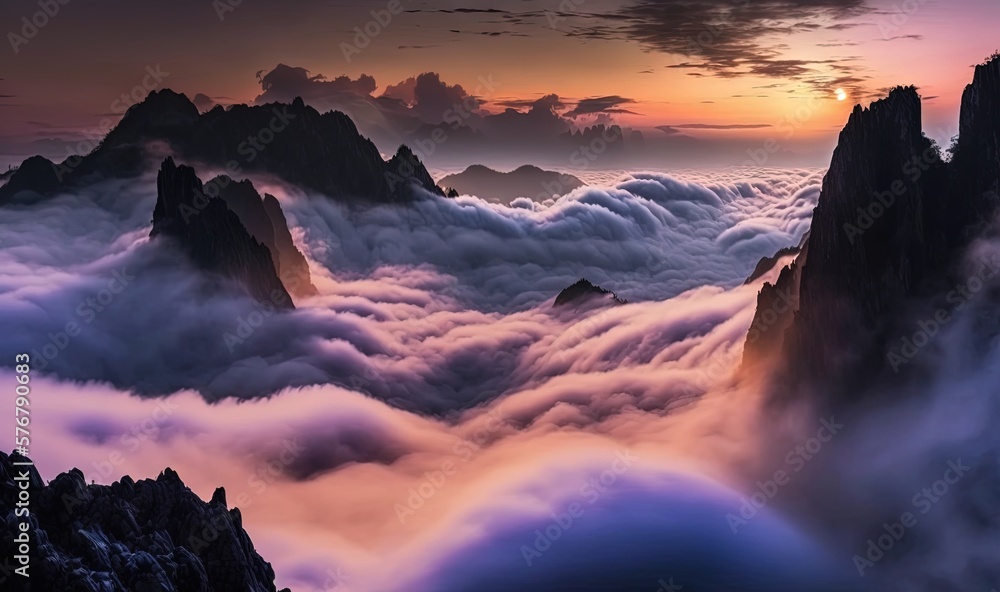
(541,122)
(418,109)
(727,39)
(551,103)
(490,33)
(284,83)
(596,105)
(403,91)
(433,99)
(463,11)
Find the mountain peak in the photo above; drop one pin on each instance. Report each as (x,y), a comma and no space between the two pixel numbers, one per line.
(900,109)
(161,111)
(583,290)
(213,236)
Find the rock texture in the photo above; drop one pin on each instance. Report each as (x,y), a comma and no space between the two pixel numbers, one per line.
(321,152)
(266,222)
(581,291)
(766,264)
(213,236)
(890,224)
(129,536)
(976,159)
(293,267)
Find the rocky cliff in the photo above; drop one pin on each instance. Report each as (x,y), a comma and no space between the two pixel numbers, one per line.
(976,160)
(153,534)
(294,269)
(891,223)
(266,222)
(213,236)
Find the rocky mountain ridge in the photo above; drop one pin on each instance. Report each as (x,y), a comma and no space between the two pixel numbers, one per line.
(319,152)
(152,534)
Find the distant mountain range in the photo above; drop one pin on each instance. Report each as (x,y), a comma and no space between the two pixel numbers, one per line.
(294,142)
(526,181)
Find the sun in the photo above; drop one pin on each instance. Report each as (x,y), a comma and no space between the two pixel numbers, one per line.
(841,95)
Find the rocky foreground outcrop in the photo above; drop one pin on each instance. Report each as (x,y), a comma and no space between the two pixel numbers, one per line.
(891,224)
(213,236)
(319,152)
(153,534)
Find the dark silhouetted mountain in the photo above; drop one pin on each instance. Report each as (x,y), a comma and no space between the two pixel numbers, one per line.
(293,267)
(404,169)
(527,181)
(582,291)
(265,221)
(203,102)
(888,231)
(766,264)
(602,140)
(244,201)
(777,304)
(860,266)
(128,536)
(976,160)
(213,235)
(8,173)
(323,153)
(36,175)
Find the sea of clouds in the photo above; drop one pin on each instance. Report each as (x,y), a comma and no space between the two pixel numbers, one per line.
(438,305)
(431,422)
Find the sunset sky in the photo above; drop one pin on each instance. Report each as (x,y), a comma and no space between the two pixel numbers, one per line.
(737,68)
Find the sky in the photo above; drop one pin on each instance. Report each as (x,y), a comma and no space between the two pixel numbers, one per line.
(729,69)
